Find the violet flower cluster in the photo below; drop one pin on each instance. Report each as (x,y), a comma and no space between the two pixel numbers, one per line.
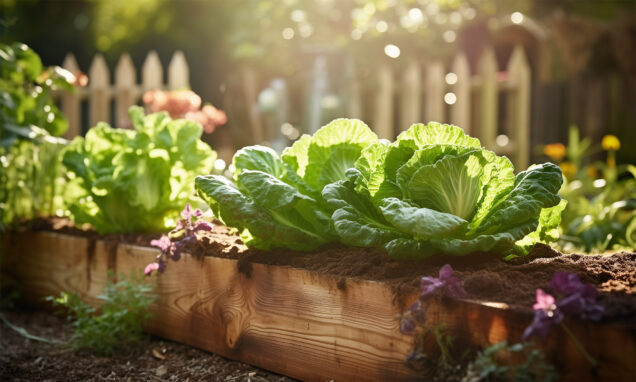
(576,298)
(444,285)
(172,245)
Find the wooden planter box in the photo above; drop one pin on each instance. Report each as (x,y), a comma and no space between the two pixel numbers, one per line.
(309,326)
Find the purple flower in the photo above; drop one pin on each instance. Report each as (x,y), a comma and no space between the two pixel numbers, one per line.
(565,283)
(577,299)
(178,246)
(187,213)
(183,234)
(546,314)
(407,325)
(203,226)
(418,312)
(446,284)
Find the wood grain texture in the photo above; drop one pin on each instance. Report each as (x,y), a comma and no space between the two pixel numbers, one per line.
(305,325)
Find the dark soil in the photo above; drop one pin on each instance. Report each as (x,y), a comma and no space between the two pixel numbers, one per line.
(22,359)
(485,276)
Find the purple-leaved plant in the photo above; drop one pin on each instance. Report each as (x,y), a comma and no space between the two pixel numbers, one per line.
(576,299)
(184,233)
(444,285)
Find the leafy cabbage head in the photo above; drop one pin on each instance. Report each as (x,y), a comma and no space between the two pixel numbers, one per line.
(437,189)
(275,201)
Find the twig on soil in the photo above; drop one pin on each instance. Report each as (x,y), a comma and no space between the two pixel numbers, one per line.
(26,334)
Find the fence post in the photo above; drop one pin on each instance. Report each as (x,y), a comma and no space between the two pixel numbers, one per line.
(460,111)
(519,106)
(383,119)
(125,94)
(71,101)
(250,92)
(354,105)
(178,72)
(99,87)
(435,92)
(411,95)
(488,98)
(151,72)
(318,90)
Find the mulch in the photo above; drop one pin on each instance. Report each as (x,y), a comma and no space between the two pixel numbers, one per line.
(156,359)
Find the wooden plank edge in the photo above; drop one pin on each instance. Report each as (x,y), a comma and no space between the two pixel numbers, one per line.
(293,321)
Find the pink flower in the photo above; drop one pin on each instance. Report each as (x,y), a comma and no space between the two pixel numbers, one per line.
(163,243)
(151,268)
(544,301)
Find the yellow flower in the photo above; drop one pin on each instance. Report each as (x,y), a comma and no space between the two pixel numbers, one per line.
(611,142)
(592,172)
(568,168)
(555,151)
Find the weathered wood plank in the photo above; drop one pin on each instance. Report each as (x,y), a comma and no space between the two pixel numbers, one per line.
(306,325)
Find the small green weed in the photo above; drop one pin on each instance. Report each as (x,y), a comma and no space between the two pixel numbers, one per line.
(486,367)
(119,321)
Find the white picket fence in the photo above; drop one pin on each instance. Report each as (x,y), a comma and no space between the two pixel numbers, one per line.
(424,93)
(125,91)
(432,92)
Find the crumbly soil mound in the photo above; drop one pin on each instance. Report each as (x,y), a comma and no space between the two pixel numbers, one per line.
(485,276)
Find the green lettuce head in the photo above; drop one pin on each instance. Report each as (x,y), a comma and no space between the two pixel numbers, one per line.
(135,180)
(275,201)
(435,189)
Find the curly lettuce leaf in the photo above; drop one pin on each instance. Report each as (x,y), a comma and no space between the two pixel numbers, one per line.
(323,158)
(135,180)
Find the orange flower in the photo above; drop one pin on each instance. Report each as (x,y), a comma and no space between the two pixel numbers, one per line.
(611,142)
(592,172)
(568,168)
(555,151)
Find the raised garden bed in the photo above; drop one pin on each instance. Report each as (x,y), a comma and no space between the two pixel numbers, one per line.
(316,325)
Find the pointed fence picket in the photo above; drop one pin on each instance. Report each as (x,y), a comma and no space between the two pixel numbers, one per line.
(431,91)
(423,90)
(125,91)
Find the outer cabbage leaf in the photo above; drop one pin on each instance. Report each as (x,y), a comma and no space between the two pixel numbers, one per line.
(258,226)
(421,223)
(533,190)
(356,220)
(546,232)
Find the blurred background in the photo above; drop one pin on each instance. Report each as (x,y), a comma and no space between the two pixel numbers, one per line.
(516,74)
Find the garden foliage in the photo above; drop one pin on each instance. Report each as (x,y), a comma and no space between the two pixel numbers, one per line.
(31,175)
(601,211)
(434,189)
(118,324)
(135,180)
(276,201)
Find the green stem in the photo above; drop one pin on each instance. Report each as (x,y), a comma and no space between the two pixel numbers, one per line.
(578,344)
(26,334)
